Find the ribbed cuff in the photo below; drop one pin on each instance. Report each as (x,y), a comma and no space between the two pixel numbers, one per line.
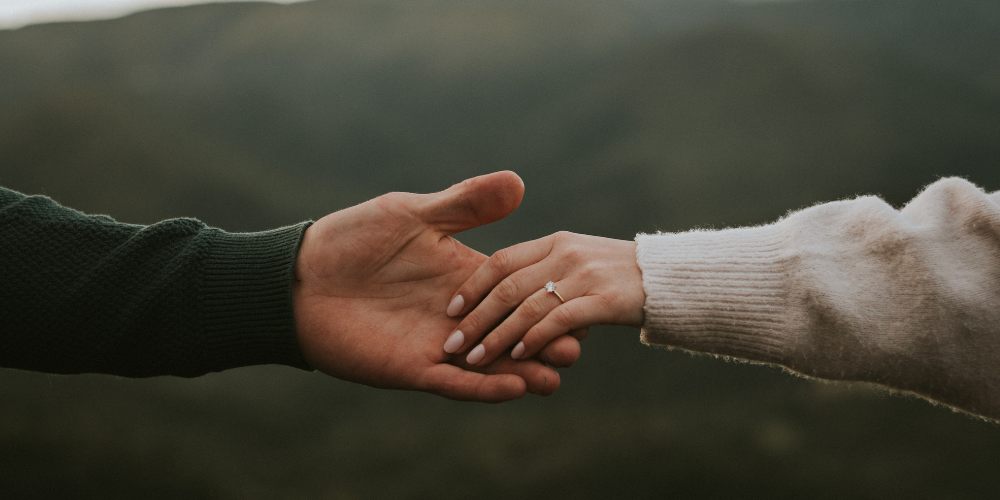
(721,292)
(247,297)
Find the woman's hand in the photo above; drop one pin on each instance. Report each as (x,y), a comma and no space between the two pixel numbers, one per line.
(596,281)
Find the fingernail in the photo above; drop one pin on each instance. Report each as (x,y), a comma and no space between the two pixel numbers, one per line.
(476,355)
(456,305)
(518,351)
(454,342)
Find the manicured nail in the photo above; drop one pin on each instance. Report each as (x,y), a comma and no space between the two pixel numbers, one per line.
(518,351)
(476,355)
(456,305)
(454,342)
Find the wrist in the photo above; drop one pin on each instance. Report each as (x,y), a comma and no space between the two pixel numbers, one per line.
(632,292)
(307,327)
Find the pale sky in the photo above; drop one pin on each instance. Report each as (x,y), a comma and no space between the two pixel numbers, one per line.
(17,13)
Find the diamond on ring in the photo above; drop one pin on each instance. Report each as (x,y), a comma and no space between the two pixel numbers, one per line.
(551,288)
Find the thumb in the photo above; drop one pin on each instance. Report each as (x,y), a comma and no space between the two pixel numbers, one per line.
(473,202)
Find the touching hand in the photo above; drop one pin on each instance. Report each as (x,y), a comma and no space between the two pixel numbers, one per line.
(598,279)
(373,281)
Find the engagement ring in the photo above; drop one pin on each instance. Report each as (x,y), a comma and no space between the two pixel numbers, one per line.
(551,287)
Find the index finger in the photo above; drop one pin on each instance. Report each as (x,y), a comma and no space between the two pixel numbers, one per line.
(501,264)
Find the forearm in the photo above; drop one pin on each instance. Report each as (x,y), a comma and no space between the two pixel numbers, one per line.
(86,294)
(851,290)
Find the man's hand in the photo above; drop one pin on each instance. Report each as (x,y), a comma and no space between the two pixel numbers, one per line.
(373,283)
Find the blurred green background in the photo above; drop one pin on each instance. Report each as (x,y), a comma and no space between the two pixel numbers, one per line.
(621,117)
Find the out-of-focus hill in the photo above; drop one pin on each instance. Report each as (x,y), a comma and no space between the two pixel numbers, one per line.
(621,117)
(954,39)
(95,151)
(774,106)
(735,126)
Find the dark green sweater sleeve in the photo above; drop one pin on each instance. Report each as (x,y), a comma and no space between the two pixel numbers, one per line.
(87,294)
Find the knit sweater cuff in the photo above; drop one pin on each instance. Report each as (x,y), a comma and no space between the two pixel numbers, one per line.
(719,292)
(247,290)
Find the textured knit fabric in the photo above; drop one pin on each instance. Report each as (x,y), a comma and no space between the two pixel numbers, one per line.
(86,294)
(850,290)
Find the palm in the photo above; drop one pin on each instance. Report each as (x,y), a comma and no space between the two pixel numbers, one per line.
(385,296)
(372,290)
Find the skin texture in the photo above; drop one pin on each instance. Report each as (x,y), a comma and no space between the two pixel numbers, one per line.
(597,277)
(373,282)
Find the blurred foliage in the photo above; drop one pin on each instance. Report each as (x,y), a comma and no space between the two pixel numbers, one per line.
(621,117)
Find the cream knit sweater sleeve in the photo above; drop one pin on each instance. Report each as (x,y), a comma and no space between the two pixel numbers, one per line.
(849,290)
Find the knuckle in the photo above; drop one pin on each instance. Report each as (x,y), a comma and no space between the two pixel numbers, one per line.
(480,391)
(422,383)
(501,262)
(562,236)
(437,386)
(390,199)
(532,308)
(397,203)
(470,326)
(573,252)
(563,317)
(448,389)
(603,302)
(507,292)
